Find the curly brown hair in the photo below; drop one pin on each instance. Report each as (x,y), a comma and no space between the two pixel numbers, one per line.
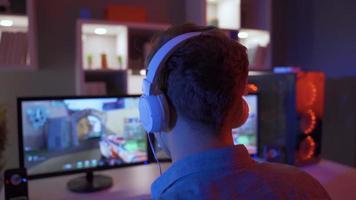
(204,75)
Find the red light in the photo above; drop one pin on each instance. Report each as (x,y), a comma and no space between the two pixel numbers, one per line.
(308,122)
(307,149)
(310,92)
(252,88)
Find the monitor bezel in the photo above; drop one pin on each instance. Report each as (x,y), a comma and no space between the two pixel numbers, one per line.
(74,171)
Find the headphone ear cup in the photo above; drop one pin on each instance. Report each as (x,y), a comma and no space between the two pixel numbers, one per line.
(243,114)
(154,113)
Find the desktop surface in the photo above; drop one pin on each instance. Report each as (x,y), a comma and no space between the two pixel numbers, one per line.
(134,183)
(131,183)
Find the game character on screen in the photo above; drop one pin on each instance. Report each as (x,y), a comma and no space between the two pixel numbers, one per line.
(192,99)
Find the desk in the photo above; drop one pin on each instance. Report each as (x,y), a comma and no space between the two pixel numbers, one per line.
(129,183)
(339,180)
(133,183)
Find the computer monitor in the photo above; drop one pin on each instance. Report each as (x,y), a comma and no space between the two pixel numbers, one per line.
(63,135)
(247,134)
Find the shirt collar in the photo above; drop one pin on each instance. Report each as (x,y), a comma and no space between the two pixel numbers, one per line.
(235,157)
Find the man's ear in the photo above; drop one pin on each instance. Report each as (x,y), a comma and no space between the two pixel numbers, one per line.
(241,114)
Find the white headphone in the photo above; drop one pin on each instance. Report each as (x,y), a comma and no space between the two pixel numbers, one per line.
(153,105)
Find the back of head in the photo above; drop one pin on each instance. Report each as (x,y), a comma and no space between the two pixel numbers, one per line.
(205,76)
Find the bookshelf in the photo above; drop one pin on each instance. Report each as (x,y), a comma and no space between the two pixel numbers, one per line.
(258,43)
(18,45)
(110,56)
(227,15)
(104,46)
(223,13)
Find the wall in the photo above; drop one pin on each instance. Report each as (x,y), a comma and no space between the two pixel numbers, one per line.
(315,34)
(334,37)
(320,35)
(339,128)
(256,14)
(56,23)
(57,20)
(31,83)
(195,11)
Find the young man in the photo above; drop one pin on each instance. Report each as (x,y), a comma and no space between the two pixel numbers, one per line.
(199,76)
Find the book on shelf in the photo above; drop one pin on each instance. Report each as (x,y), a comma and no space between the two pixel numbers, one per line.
(13,48)
(95,88)
(259,58)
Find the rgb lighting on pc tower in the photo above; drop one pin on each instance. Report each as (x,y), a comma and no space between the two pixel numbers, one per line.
(291,114)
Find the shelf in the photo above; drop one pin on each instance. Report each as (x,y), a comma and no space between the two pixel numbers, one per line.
(235,19)
(257,43)
(253,37)
(134,84)
(96,78)
(223,13)
(104,46)
(13,41)
(13,23)
(18,49)
(16,67)
(103,70)
(107,49)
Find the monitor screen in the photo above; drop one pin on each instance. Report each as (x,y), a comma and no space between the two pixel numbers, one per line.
(247,134)
(69,134)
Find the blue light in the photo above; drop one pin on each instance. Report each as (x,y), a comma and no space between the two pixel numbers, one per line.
(285,69)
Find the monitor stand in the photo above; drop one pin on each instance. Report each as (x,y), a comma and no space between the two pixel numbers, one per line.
(89,183)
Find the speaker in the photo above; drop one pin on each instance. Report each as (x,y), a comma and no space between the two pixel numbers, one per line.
(16,187)
(291,111)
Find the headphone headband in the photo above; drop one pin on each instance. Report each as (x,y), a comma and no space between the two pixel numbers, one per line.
(159,59)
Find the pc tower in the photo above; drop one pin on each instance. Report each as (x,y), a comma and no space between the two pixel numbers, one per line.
(291,112)
(310,110)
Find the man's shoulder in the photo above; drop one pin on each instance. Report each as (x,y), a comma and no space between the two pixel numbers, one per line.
(286,178)
(282,171)
(263,180)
